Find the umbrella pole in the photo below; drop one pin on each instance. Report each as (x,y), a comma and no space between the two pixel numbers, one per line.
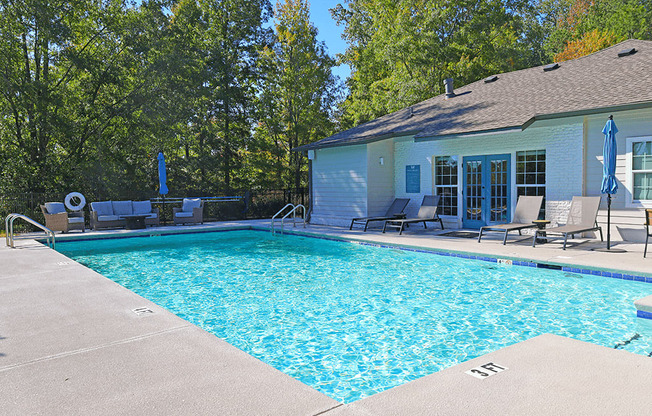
(163,209)
(608,221)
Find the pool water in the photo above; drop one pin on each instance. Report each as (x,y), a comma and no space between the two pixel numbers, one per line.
(353,320)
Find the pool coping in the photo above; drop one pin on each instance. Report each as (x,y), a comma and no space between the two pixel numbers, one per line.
(434,394)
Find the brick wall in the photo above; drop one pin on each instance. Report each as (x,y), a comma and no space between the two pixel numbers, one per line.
(564,153)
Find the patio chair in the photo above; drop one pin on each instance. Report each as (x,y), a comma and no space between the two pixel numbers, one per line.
(648,228)
(582,217)
(395,211)
(191,211)
(58,219)
(527,210)
(427,212)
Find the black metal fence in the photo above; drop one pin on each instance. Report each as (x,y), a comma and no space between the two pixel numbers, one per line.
(253,204)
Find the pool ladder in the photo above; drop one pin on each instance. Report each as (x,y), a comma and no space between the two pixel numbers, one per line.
(292,212)
(9,229)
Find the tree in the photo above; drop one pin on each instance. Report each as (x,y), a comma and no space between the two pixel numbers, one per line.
(400,52)
(230,40)
(74,80)
(584,26)
(297,94)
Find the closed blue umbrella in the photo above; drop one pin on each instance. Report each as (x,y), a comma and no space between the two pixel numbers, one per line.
(162,177)
(609,183)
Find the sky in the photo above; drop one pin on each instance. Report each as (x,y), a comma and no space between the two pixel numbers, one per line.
(329,32)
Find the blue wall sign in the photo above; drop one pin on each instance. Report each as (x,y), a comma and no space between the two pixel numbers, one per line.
(412,179)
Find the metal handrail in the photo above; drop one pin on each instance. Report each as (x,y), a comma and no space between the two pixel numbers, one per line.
(9,228)
(292,212)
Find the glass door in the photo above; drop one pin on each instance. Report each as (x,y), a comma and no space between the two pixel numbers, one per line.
(486,190)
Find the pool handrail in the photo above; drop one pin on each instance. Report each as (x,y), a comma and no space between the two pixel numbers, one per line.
(292,212)
(9,229)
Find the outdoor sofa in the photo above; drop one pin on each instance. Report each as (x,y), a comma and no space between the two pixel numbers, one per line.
(111,214)
(582,218)
(527,210)
(58,219)
(427,212)
(395,211)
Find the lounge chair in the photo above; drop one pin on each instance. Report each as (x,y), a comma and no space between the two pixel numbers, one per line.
(648,228)
(58,219)
(191,211)
(582,217)
(395,211)
(527,210)
(427,212)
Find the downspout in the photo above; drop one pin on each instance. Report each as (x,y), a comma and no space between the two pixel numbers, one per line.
(310,199)
(585,141)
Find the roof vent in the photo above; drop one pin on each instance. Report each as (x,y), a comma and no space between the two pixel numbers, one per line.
(626,52)
(550,67)
(490,79)
(411,114)
(448,83)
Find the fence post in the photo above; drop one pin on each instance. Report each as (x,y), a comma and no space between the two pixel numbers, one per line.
(247,196)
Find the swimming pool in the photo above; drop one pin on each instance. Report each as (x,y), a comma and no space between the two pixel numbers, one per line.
(352,320)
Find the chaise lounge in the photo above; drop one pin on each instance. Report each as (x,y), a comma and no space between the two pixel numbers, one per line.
(395,211)
(427,212)
(58,219)
(582,218)
(527,210)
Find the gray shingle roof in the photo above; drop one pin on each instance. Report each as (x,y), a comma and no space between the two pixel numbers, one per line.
(601,80)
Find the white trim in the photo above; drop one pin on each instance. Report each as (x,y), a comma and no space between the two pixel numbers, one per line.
(629,183)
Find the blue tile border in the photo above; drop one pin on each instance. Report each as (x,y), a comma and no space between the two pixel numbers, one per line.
(514,262)
(643,314)
(524,263)
(470,256)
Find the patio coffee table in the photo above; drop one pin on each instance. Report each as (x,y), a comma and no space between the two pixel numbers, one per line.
(135,222)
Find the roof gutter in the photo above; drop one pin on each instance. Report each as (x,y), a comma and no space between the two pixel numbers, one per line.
(510,129)
(362,140)
(597,110)
(487,132)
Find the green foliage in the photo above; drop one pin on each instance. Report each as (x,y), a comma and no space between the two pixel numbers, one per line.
(583,26)
(401,51)
(91,91)
(75,83)
(297,93)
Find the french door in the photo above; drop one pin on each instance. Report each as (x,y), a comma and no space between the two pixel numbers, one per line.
(487,188)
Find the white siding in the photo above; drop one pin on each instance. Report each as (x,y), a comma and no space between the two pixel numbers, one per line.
(339,178)
(564,152)
(626,218)
(349,181)
(380,183)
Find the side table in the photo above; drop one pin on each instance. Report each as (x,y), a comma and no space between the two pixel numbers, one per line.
(541,225)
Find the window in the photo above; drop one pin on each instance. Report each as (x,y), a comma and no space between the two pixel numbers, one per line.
(642,170)
(531,175)
(446,184)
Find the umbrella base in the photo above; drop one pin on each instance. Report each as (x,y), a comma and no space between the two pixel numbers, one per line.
(610,250)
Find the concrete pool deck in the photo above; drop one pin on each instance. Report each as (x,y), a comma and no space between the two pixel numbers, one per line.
(71,343)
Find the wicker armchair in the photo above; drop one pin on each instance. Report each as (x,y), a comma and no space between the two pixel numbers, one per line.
(192,211)
(58,219)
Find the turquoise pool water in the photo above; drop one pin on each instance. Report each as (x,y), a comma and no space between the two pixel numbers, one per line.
(353,320)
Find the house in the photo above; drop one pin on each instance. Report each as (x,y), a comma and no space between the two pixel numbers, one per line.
(536,131)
